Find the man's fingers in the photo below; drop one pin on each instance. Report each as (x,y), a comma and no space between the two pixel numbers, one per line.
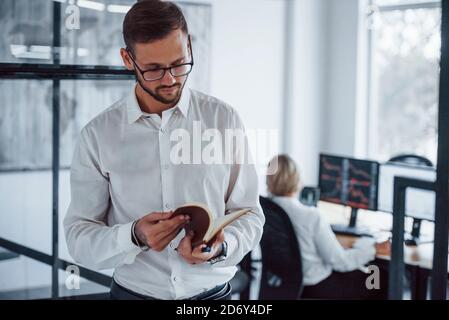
(156,216)
(185,249)
(173,224)
(162,243)
(189,257)
(185,245)
(221,235)
(217,239)
(198,253)
(162,236)
(154,231)
(168,226)
(195,256)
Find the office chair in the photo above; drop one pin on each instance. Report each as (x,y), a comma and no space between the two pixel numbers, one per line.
(240,283)
(412,159)
(282,276)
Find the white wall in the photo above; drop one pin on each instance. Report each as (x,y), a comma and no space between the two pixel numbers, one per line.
(247,52)
(247,64)
(309,85)
(325,100)
(341,98)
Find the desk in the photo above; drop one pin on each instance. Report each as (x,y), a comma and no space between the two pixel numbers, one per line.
(418,259)
(417,262)
(421,255)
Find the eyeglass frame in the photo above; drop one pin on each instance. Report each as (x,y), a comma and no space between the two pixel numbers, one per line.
(142,72)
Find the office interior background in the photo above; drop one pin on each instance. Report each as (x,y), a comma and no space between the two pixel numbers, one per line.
(355,78)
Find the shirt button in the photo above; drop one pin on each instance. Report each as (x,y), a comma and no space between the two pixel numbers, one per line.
(162,130)
(174,279)
(167,206)
(172,245)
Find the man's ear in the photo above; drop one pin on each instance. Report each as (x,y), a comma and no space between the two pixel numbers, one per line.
(126,59)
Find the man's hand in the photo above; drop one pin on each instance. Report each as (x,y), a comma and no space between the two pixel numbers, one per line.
(196,255)
(158,229)
(383,248)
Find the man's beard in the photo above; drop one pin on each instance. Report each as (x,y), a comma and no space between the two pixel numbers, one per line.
(156,96)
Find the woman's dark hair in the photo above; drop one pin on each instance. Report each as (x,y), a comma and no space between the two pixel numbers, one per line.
(151,20)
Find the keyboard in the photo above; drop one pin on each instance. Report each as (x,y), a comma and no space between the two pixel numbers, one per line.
(351,231)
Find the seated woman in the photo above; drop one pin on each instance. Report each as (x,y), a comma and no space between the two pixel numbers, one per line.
(329,270)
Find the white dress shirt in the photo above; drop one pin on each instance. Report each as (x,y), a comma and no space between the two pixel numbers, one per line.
(320,250)
(122,170)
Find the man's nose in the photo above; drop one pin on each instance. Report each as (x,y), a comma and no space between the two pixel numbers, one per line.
(168,79)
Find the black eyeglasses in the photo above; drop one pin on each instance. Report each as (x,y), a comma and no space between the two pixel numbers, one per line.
(154,74)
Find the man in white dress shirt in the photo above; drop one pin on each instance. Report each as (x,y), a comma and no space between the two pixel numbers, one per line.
(126,178)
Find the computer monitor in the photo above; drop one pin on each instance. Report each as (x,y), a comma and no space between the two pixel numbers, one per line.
(348,181)
(419,204)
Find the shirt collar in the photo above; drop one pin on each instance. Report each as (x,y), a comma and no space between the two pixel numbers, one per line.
(134,111)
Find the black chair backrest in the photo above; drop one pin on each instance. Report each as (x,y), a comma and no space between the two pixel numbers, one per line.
(281,259)
(412,159)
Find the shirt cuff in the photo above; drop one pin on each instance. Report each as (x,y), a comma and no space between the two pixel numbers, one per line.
(367,244)
(232,246)
(232,242)
(124,240)
(364,242)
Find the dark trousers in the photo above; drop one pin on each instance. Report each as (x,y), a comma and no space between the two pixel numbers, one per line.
(222,292)
(347,285)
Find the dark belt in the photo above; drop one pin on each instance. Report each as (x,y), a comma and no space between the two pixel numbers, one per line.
(221,292)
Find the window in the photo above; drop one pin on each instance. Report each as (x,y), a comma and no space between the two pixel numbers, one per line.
(404,73)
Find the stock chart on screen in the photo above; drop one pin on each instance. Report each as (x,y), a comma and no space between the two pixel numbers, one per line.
(348,181)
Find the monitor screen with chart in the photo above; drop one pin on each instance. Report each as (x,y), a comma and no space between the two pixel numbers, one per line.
(348,181)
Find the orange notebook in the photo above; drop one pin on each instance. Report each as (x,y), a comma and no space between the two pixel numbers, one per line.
(203,223)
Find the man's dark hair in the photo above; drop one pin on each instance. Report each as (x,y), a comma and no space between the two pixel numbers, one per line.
(151,20)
